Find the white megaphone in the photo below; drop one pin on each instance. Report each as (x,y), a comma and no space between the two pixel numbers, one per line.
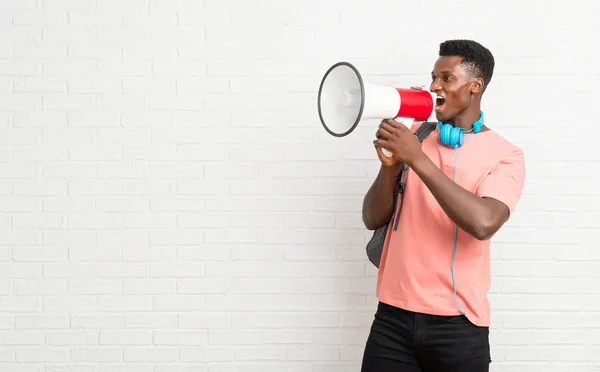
(345,99)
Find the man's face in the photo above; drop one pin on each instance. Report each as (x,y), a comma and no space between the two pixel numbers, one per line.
(454,85)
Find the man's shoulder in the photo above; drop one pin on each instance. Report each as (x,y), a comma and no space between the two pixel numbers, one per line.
(502,146)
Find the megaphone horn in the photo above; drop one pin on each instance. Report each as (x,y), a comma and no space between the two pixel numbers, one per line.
(345,99)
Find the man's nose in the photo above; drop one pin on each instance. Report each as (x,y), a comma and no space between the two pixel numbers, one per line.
(434,86)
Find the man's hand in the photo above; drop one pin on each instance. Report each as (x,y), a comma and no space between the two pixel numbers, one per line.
(399,140)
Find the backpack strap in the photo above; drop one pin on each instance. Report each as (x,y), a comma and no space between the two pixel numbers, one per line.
(425,129)
(422,132)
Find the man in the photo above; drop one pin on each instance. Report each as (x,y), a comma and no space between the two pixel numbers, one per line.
(433,313)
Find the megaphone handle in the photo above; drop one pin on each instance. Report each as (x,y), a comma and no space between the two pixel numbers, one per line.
(405,121)
(386,153)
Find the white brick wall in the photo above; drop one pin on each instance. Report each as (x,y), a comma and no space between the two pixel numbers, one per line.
(169,201)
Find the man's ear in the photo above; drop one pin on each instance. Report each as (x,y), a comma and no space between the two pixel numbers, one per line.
(477,86)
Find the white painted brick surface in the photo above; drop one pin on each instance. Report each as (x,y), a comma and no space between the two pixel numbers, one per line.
(170,203)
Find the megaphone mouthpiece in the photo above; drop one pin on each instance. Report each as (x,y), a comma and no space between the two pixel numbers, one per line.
(415,103)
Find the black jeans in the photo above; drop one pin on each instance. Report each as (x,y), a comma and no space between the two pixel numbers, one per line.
(404,341)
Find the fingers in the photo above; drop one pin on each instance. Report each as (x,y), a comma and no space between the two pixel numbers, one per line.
(381,142)
(385,130)
(393,125)
(390,128)
(391,122)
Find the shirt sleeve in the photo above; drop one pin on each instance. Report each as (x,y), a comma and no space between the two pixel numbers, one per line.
(505,181)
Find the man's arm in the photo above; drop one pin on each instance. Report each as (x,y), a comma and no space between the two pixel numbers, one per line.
(378,202)
(481,213)
(479,216)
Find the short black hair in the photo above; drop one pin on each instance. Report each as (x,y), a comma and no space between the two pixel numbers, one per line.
(475,56)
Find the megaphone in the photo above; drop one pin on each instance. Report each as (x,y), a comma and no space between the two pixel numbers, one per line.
(345,99)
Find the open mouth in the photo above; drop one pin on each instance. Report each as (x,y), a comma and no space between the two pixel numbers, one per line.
(439,102)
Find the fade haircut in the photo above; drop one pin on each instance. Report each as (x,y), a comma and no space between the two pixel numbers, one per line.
(476,58)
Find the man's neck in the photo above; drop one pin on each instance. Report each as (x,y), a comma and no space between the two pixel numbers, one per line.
(466,119)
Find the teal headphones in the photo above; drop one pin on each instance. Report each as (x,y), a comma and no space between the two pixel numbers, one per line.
(455,137)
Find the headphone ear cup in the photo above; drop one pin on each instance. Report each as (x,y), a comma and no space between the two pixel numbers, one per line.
(451,136)
(457,137)
(445,133)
